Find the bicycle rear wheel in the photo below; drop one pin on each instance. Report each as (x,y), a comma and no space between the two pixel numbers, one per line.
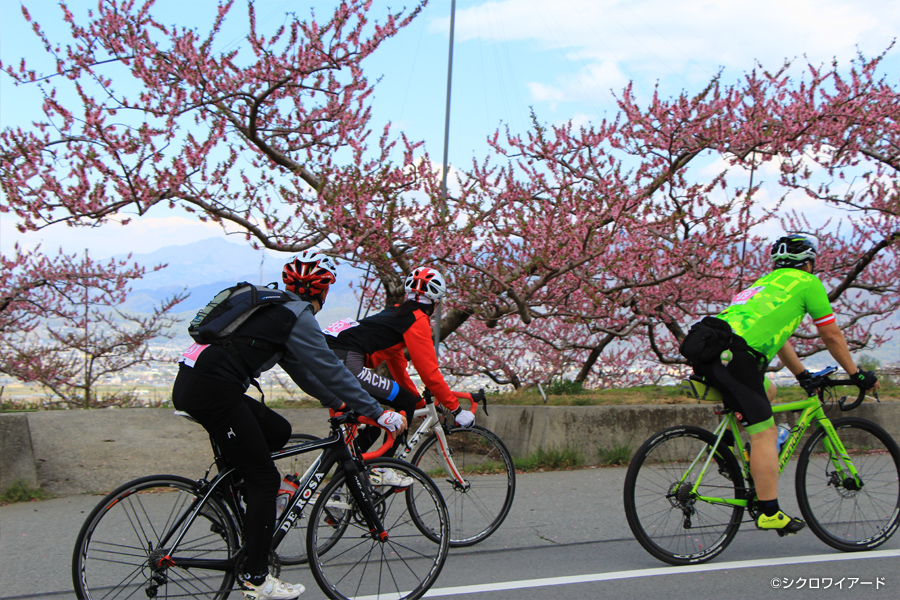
(403,566)
(124,539)
(479,505)
(845,514)
(666,517)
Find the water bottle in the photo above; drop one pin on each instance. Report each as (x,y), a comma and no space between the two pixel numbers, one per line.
(288,486)
(783,432)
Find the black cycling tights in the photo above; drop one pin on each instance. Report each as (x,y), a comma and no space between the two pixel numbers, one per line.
(247,432)
(383,389)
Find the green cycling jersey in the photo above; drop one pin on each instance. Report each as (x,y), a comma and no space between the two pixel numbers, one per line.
(768,312)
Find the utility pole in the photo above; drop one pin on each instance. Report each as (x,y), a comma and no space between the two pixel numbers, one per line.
(437,319)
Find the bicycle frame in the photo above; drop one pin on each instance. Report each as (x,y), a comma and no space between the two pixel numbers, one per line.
(811,413)
(335,451)
(431,423)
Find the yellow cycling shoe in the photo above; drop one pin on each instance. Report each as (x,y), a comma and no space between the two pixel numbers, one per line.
(781,523)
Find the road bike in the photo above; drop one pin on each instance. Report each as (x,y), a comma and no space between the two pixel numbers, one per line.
(168,536)
(687,488)
(470,465)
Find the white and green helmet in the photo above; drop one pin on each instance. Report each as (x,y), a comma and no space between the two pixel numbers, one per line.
(794,250)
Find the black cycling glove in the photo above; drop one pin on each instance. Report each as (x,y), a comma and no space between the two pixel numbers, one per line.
(865,379)
(806,382)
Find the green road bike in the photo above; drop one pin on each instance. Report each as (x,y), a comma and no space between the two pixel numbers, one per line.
(687,489)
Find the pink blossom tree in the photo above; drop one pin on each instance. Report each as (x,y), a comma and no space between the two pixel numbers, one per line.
(562,243)
(60,328)
(688,251)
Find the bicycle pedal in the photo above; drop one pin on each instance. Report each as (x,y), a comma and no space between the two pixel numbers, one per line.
(783,533)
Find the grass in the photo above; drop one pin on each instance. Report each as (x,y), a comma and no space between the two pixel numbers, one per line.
(616,455)
(20,491)
(550,460)
(649,394)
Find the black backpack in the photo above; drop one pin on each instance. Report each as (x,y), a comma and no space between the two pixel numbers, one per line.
(707,340)
(217,322)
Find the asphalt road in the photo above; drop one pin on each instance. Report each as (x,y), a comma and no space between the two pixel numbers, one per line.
(565,538)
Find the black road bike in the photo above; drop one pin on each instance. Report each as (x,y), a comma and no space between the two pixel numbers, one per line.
(166,536)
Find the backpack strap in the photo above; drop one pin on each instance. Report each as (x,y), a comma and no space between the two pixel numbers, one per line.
(261,345)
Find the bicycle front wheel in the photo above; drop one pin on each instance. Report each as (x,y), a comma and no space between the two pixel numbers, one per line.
(402,566)
(670,520)
(846,513)
(479,504)
(122,545)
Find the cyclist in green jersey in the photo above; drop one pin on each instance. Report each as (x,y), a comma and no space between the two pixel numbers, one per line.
(762,319)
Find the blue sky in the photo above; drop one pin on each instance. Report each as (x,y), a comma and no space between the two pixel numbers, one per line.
(563,59)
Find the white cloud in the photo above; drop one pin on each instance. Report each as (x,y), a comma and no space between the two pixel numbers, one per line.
(545,93)
(140,236)
(608,42)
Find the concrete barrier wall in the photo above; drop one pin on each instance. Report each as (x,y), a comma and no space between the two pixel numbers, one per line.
(16,453)
(77,451)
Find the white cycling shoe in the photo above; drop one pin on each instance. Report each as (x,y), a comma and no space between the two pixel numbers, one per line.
(271,589)
(382,476)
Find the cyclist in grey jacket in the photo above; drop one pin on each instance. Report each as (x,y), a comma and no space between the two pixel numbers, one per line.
(211,386)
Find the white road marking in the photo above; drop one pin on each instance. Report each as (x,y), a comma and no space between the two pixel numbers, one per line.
(592,577)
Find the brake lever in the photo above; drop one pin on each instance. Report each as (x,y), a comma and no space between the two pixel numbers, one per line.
(853,405)
(480,396)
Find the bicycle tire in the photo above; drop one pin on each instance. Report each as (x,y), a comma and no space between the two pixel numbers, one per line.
(406,564)
(120,537)
(843,517)
(677,528)
(487,467)
(292,548)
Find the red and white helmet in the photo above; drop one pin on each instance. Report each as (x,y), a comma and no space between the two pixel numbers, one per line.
(309,273)
(424,283)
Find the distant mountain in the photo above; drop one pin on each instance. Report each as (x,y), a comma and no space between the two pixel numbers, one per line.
(207,261)
(206,267)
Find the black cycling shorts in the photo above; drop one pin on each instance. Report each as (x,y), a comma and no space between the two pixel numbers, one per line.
(742,383)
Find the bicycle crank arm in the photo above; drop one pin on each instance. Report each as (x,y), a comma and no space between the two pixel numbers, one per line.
(198,563)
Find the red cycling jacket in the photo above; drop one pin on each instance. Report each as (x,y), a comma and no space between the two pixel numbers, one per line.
(383,338)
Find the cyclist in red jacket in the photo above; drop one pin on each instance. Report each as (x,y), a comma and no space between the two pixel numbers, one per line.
(363,345)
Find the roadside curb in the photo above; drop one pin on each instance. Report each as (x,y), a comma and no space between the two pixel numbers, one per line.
(90,451)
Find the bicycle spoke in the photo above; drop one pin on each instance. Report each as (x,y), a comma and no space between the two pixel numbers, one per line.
(107,565)
(840,511)
(405,564)
(666,516)
(480,504)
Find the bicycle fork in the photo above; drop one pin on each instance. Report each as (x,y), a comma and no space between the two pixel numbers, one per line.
(457,480)
(440,431)
(355,483)
(845,474)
